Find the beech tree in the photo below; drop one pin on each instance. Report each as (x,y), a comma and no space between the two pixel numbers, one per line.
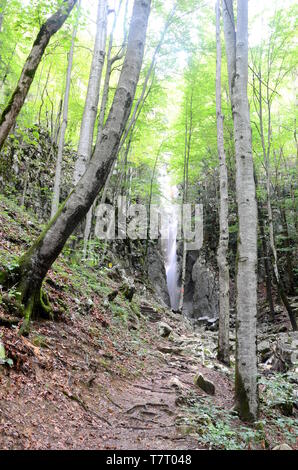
(223,246)
(48,29)
(57,181)
(92,98)
(246,388)
(28,275)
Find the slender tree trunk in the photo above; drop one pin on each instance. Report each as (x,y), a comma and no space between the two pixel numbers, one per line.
(106,87)
(2,7)
(48,29)
(266,156)
(188,136)
(288,248)
(266,257)
(57,181)
(223,246)
(246,387)
(103,108)
(35,263)
(91,104)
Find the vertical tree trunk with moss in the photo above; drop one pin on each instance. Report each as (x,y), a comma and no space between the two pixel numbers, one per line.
(35,263)
(48,29)
(223,246)
(246,387)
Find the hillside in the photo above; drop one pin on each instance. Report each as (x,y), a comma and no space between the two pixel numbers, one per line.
(101,376)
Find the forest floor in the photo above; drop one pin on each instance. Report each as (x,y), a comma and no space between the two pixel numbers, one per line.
(101,376)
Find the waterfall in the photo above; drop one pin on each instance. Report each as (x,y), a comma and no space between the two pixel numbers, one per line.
(169,193)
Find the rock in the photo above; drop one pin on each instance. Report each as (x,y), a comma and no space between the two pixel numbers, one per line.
(206,385)
(176,383)
(282,447)
(133,322)
(264,350)
(205,298)
(157,273)
(286,408)
(212,324)
(286,352)
(169,350)
(164,329)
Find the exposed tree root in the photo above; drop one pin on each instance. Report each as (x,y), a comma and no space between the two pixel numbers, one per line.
(24,299)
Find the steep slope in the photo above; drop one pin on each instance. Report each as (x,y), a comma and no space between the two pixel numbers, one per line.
(102,375)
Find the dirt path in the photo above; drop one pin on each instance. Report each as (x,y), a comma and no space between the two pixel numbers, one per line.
(85,384)
(145,412)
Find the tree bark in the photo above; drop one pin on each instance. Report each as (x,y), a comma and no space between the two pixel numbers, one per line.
(246,387)
(92,98)
(223,246)
(35,263)
(48,29)
(56,190)
(266,157)
(188,136)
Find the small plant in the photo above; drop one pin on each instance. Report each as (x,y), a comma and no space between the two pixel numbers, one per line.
(39,341)
(3,359)
(218,428)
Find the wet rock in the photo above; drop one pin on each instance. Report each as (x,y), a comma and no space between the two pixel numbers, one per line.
(204,384)
(282,447)
(157,273)
(205,298)
(164,329)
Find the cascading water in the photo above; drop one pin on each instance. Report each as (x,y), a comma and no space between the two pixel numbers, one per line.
(169,193)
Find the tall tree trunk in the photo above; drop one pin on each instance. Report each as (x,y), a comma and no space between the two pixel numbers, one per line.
(188,136)
(287,245)
(91,105)
(2,8)
(266,257)
(57,181)
(48,29)
(266,148)
(35,263)
(92,98)
(223,246)
(246,387)
(103,107)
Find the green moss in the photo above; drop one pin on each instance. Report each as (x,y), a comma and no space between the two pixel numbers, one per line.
(242,398)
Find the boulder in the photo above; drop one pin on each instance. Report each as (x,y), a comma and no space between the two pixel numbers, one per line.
(264,350)
(164,329)
(204,384)
(286,351)
(205,296)
(176,383)
(157,273)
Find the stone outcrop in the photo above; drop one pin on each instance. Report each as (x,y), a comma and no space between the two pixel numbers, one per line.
(206,385)
(157,273)
(205,296)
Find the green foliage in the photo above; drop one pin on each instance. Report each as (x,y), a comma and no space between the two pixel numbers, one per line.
(219,428)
